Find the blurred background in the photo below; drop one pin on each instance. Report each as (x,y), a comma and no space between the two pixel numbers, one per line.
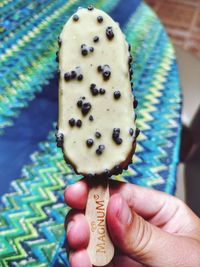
(182,21)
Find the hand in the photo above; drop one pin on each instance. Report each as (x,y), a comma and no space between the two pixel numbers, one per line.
(147,227)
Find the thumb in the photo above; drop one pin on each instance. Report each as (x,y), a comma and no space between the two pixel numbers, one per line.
(145,242)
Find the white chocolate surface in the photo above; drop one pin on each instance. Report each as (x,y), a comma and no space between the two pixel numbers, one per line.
(108,112)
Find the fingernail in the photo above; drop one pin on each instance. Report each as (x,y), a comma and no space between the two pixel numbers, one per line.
(124,214)
(69,226)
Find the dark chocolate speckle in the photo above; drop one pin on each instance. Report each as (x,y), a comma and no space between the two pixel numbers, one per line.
(100,19)
(102,91)
(117,169)
(78,123)
(117,94)
(118,141)
(95,39)
(73,74)
(79,103)
(131,131)
(90,7)
(98,134)
(80,77)
(91,118)
(100,149)
(59,139)
(89,142)
(75,17)
(109,33)
(86,108)
(72,122)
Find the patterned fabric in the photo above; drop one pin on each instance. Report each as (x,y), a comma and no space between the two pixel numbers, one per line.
(32,211)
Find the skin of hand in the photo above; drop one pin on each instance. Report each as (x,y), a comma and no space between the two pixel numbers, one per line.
(147,227)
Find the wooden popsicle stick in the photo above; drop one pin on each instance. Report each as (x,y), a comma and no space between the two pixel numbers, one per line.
(100,248)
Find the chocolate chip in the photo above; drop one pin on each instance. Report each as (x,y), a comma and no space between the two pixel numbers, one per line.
(131,131)
(115,135)
(79,103)
(80,77)
(90,8)
(116,130)
(86,108)
(98,135)
(59,139)
(84,52)
(109,33)
(72,122)
(89,142)
(85,49)
(91,118)
(73,74)
(135,103)
(59,41)
(118,141)
(93,89)
(106,75)
(75,17)
(100,19)
(100,149)
(106,71)
(117,94)
(129,47)
(99,68)
(102,91)
(95,39)
(92,85)
(130,59)
(98,152)
(79,123)
(117,169)
(137,132)
(57,56)
(67,76)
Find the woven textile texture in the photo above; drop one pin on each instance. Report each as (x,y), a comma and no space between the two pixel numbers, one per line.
(32,208)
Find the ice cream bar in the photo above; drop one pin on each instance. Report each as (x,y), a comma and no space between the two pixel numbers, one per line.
(96,125)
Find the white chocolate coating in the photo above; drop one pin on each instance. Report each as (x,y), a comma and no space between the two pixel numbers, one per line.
(108,112)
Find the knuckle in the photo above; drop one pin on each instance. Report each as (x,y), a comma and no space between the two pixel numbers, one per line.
(141,241)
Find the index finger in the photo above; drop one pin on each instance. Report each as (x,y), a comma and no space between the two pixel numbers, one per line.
(146,202)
